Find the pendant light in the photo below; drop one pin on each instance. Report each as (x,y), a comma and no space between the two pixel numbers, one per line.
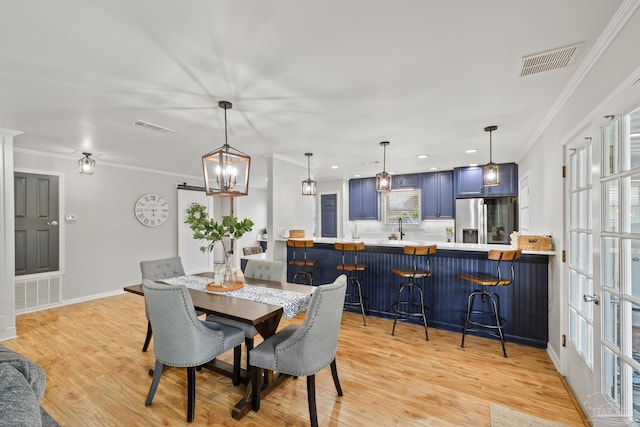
(490,171)
(383,179)
(308,185)
(86,165)
(226,170)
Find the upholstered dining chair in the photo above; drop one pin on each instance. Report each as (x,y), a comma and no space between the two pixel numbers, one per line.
(303,350)
(274,271)
(183,340)
(155,270)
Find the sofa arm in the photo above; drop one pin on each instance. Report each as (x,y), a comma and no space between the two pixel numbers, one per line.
(18,404)
(31,371)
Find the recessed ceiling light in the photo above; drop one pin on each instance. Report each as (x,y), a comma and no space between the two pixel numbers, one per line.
(473,164)
(471,151)
(356,175)
(392,172)
(334,167)
(422,156)
(433,169)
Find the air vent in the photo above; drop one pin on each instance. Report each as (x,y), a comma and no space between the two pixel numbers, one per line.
(152,126)
(547,61)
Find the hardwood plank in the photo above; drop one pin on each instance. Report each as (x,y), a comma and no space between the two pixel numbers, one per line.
(98,376)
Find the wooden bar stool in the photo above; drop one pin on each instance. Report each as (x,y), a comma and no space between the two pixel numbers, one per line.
(488,321)
(353,296)
(303,264)
(411,306)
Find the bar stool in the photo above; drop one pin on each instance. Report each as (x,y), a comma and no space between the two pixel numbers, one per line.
(304,265)
(353,296)
(409,307)
(485,321)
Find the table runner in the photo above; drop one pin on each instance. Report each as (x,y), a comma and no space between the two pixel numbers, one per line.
(292,303)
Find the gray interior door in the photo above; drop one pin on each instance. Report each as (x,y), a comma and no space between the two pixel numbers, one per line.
(329,216)
(36,223)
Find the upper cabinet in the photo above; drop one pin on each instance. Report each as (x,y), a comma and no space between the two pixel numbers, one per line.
(363,199)
(405,181)
(468,182)
(437,195)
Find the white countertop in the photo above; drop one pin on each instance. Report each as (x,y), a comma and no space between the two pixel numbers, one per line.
(441,245)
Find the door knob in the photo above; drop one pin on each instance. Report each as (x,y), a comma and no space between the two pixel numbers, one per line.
(591,298)
(53,223)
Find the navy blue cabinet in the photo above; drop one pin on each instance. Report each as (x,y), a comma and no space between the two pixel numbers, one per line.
(363,199)
(468,182)
(508,182)
(405,181)
(437,195)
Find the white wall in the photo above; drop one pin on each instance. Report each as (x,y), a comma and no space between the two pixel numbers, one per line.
(103,248)
(620,62)
(286,206)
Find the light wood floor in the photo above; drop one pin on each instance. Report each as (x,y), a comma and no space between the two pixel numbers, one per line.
(97,376)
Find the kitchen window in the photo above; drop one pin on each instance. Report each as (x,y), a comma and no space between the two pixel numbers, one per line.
(402,204)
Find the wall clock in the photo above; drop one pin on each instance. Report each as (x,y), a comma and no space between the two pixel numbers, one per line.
(151,210)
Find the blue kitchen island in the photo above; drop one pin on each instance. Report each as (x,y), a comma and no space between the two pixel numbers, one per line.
(524,304)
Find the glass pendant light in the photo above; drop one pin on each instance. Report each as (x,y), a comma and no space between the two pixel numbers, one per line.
(308,185)
(490,171)
(383,179)
(226,170)
(86,165)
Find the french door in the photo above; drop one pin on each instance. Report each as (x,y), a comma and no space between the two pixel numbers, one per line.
(603,269)
(620,243)
(583,323)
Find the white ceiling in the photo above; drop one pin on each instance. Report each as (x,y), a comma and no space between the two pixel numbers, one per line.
(330,77)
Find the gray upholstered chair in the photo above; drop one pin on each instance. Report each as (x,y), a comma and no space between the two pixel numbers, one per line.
(274,271)
(303,350)
(155,270)
(183,340)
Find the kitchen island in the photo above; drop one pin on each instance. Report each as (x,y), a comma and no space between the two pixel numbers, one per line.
(524,304)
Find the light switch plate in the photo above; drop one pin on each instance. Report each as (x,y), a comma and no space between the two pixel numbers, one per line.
(71,218)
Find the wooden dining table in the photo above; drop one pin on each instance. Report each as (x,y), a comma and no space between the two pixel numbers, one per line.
(264,317)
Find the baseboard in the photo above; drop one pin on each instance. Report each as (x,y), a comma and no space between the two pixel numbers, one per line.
(72,301)
(554,358)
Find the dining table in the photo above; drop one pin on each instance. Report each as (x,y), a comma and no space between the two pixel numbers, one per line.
(259,303)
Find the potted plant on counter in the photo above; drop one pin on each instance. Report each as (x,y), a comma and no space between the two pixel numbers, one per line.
(449,231)
(210,232)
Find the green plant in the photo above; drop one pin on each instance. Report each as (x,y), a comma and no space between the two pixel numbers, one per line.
(449,229)
(210,231)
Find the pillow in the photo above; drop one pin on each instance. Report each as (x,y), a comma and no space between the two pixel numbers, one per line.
(18,404)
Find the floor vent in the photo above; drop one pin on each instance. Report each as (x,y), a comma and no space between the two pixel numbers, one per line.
(36,293)
(547,61)
(152,126)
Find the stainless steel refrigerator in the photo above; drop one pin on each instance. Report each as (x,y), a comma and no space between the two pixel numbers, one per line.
(486,221)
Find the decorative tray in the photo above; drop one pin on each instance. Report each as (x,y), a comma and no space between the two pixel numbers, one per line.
(211,288)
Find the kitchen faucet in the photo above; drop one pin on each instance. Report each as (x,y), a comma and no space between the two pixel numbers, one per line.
(400,232)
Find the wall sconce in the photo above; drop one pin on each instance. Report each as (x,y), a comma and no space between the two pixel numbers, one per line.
(383,179)
(226,170)
(308,185)
(490,171)
(86,165)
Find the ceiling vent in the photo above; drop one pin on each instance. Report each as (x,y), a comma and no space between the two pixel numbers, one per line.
(152,126)
(547,61)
